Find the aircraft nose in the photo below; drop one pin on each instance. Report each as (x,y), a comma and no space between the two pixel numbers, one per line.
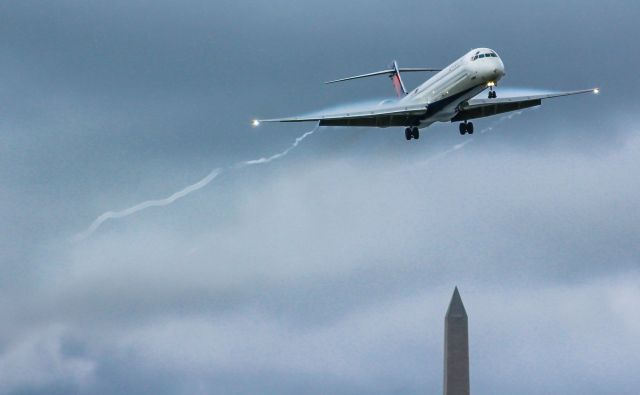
(499,69)
(493,70)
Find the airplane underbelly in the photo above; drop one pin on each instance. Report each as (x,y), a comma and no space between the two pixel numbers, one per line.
(446,108)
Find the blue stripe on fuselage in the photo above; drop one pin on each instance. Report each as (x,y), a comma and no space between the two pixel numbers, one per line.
(437,106)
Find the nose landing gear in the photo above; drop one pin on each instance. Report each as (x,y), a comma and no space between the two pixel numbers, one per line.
(412,133)
(492,93)
(466,127)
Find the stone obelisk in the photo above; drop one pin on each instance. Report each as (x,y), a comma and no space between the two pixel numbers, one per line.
(456,348)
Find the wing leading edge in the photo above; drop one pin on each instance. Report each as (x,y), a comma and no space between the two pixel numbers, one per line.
(479,108)
(411,115)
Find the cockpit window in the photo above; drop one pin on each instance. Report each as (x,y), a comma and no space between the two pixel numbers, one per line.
(484,55)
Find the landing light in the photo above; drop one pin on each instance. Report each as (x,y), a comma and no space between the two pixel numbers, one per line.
(491,83)
(596,91)
(255,123)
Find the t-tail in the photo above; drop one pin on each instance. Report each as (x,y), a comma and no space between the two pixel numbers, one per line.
(396,79)
(393,72)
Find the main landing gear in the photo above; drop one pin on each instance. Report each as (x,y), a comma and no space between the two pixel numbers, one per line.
(466,127)
(412,133)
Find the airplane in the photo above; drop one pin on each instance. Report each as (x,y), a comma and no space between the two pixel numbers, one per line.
(448,96)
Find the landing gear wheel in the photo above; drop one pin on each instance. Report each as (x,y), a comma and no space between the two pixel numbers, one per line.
(466,127)
(493,94)
(407,134)
(415,133)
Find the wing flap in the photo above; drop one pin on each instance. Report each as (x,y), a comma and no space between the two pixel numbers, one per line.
(379,121)
(479,108)
(379,117)
(486,110)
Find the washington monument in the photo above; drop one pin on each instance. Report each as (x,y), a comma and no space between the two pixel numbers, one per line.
(456,348)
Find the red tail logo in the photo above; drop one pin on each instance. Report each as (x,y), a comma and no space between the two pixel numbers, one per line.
(397,84)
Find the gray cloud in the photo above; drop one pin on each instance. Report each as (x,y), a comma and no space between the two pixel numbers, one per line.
(298,279)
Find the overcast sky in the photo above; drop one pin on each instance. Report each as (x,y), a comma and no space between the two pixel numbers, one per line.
(327,270)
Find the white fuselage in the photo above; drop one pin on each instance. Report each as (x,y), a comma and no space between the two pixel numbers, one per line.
(457,83)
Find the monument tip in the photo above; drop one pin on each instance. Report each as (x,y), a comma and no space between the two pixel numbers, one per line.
(456,307)
(456,348)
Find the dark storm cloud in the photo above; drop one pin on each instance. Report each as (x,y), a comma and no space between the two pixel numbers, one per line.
(327,271)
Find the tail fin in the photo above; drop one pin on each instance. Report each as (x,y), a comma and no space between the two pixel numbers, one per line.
(397,80)
(393,72)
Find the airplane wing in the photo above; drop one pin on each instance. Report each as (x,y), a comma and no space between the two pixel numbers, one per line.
(376,116)
(478,108)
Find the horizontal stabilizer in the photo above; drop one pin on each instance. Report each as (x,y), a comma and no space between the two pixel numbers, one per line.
(384,72)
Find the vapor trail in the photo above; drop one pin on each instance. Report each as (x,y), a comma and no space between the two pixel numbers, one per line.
(459,146)
(500,120)
(448,151)
(184,192)
(279,155)
(144,205)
